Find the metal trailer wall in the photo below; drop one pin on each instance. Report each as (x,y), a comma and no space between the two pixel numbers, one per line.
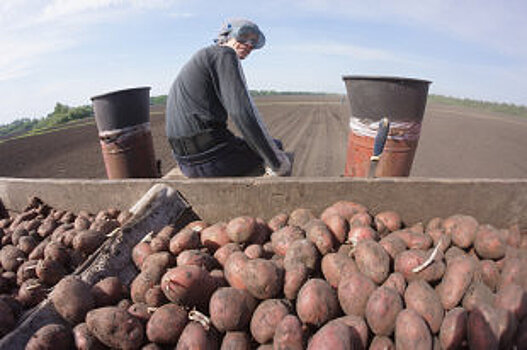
(500,202)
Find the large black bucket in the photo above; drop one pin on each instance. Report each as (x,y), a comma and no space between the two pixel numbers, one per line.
(403,102)
(123,121)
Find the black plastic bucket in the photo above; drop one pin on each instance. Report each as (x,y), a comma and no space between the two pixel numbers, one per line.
(123,121)
(403,102)
(122,108)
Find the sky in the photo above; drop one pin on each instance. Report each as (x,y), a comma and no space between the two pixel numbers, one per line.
(70,50)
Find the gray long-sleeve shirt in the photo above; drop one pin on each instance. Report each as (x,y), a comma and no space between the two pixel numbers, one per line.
(208,89)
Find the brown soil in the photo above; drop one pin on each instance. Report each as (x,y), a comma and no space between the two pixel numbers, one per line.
(456,142)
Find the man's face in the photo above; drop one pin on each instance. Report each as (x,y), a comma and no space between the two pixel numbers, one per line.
(243,47)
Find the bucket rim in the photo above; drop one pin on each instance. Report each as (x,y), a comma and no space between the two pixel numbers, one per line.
(106,94)
(383,77)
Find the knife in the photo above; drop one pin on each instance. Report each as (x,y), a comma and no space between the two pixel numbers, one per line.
(378,145)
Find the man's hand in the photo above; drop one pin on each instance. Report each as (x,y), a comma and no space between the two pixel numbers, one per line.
(285,168)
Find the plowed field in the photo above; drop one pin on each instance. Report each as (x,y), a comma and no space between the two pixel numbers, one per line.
(456,142)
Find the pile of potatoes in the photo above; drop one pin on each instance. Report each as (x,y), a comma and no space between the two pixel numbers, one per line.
(345,279)
(39,247)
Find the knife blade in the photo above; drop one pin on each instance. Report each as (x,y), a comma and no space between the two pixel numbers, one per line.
(378,145)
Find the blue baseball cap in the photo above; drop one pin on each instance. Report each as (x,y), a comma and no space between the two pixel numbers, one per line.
(240,29)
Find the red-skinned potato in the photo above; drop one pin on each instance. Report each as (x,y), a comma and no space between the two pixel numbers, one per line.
(423,299)
(353,293)
(241,229)
(222,254)
(336,265)
(198,258)
(266,318)
(302,251)
(109,291)
(457,278)
(372,260)
(115,327)
(397,282)
(166,324)
(462,229)
(411,331)
(283,238)
(215,236)
(318,233)
(338,226)
(195,336)
(289,334)
(51,336)
(453,331)
(140,252)
(387,221)
(84,340)
(183,240)
(317,302)
(381,343)
(278,221)
(382,308)
(489,243)
(346,209)
(483,328)
(300,217)
(189,285)
(263,278)
(333,335)
(236,341)
(231,309)
(294,279)
(234,270)
(72,298)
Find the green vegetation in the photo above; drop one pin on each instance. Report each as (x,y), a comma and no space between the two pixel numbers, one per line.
(158,100)
(506,108)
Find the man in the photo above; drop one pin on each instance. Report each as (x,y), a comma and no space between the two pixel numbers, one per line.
(210,88)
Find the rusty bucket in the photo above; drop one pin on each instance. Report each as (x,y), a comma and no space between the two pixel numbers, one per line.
(123,122)
(402,101)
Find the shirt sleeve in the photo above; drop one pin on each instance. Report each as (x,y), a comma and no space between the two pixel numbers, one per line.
(239,105)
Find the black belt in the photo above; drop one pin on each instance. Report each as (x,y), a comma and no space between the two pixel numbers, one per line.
(184,146)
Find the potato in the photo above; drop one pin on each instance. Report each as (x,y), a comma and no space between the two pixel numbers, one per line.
(513,299)
(262,232)
(197,258)
(382,308)
(462,229)
(11,257)
(358,234)
(262,278)
(215,236)
(453,331)
(300,217)
(143,282)
(266,318)
(166,324)
(140,252)
(295,277)
(236,341)
(160,244)
(72,299)
(289,334)
(7,319)
(18,233)
(361,219)
(353,293)
(521,334)
(156,262)
(458,277)
(393,245)
(109,291)
(231,309)
(222,254)
(317,302)
(189,285)
(381,343)
(38,252)
(278,221)
(58,252)
(47,227)
(333,335)
(84,340)
(27,244)
(477,293)
(483,328)
(423,299)
(513,271)
(490,274)
(283,238)
(81,223)
(359,328)
(387,221)
(411,331)
(372,260)
(489,243)
(88,241)
(439,237)
(51,336)
(31,292)
(234,267)
(241,229)
(254,251)
(116,328)
(338,226)
(318,233)
(49,272)
(346,209)
(26,271)
(183,240)
(408,260)
(397,282)
(414,240)
(507,326)
(336,265)
(141,311)
(302,251)
(154,297)
(194,336)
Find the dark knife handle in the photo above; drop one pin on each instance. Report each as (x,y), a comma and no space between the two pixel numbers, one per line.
(380,138)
